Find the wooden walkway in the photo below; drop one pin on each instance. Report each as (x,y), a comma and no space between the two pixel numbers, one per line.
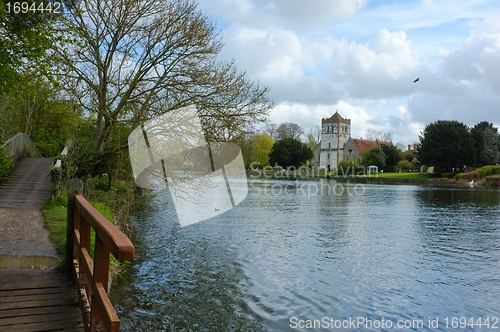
(34,299)
(28,186)
(38,300)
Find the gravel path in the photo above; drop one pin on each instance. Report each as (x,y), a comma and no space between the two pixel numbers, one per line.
(22,233)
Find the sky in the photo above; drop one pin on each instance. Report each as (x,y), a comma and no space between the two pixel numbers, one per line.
(360,58)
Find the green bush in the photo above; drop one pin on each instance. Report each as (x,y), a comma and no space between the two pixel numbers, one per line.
(59,177)
(459,177)
(391,169)
(347,167)
(488,170)
(5,164)
(450,175)
(404,165)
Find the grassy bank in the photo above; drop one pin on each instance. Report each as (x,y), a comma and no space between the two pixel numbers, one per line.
(55,218)
(399,175)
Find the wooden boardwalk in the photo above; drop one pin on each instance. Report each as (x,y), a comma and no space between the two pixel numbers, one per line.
(38,300)
(28,186)
(33,299)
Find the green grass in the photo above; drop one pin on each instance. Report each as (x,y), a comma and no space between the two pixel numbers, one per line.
(399,175)
(54,215)
(55,219)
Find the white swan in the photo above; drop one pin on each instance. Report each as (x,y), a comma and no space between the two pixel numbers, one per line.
(471,183)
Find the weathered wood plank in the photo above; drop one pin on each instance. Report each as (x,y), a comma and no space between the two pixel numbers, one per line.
(28,298)
(32,304)
(28,291)
(40,318)
(4,314)
(38,300)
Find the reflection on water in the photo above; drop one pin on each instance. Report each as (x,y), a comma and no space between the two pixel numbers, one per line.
(27,262)
(396,252)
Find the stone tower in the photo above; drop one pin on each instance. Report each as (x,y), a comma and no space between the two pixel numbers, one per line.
(335,132)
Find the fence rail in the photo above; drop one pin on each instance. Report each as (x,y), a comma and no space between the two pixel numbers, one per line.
(20,146)
(93,275)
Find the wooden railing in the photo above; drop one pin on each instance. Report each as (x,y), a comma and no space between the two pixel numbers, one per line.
(20,146)
(93,276)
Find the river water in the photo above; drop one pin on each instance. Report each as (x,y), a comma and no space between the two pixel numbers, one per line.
(319,253)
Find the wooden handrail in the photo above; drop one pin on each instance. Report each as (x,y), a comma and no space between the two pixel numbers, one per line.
(118,243)
(93,275)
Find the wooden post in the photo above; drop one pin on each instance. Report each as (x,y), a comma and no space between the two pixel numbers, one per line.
(75,187)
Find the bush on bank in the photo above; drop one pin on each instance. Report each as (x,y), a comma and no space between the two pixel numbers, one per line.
(5,164)
(488,170)
(55,219)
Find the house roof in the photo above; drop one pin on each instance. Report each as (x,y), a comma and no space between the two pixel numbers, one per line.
(363,144)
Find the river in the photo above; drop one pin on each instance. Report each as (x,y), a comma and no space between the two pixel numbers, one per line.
(316,253)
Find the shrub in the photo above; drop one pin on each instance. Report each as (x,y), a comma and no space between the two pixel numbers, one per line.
(459,177)
(488,170)
(392,169)
(405,165)
(347,167)
(449,175)
(471,176)
(5,164)
(59,177)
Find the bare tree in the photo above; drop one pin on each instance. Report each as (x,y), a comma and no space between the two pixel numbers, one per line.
(372,134)
(271,129)
(289,130)
(138,59)
(313,137)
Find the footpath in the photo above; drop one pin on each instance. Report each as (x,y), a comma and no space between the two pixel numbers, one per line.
(34,295)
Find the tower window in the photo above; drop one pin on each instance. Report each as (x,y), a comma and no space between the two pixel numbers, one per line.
(329,145)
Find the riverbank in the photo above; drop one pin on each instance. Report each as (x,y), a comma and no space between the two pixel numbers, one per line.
(55,221)
(382,178)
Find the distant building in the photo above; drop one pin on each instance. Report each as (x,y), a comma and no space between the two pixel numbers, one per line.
(354,147)
(336,143)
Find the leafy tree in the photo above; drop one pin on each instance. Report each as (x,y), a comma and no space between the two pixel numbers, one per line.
(289,130)
(5,164)
(313,138)
(375,156)
(289,152)
(25,42)
(393,155)
(38,110)
(141,59)
(262,147)
(347,167)
(446,145)
(410,155)
(404,165)
(486,142)
(489,154)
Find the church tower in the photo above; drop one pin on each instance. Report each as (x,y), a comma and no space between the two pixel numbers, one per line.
(335,132)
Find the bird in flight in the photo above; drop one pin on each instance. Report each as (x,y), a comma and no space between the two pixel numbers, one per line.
(415,81)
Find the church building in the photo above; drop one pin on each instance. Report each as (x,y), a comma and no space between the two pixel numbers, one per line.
(336,143)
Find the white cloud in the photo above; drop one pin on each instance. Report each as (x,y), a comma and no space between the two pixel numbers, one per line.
(361,59)
(282,13)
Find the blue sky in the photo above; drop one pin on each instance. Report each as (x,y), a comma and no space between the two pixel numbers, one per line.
(360,58)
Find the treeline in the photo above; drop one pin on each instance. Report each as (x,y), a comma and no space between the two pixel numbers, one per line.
(448,146)
(445,145)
